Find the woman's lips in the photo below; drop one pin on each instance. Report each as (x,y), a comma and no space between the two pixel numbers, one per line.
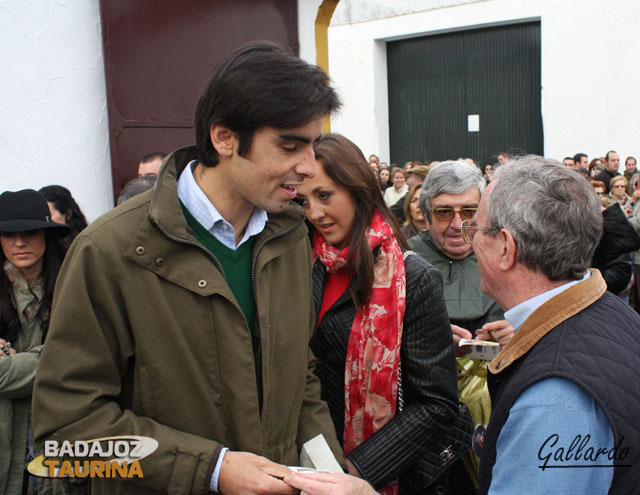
(326,228)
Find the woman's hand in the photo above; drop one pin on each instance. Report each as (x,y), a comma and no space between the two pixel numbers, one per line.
(351,469)
(6,349)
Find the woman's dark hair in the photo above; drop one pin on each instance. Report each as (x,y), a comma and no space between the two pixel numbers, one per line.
(345,164)
(65,204)
(258,85)
(388,183)
(53,256)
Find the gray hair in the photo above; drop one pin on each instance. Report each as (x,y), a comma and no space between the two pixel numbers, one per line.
(450,177)
(552,213)
(135,187)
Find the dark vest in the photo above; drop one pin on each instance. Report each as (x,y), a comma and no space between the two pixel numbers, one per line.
(599,350)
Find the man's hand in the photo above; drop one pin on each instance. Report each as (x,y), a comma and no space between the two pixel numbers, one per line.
(243,473)
(499,330)
(329,484)
(6,349)
(460,333)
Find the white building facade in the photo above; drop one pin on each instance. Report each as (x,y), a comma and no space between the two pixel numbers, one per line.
(53,111)
(590,56)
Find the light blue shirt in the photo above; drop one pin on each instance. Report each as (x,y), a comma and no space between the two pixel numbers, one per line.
(208,216)
(547,416)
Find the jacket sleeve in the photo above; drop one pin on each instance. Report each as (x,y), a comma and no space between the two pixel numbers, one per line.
(429,382)
(617,272)
(79,383)
(315,416)
(17,374)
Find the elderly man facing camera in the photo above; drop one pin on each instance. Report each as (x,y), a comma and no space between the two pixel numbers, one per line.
(451,194)
(564,389)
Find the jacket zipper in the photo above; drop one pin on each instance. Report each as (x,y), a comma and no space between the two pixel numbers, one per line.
(257,340)
(257,336)
(195,244)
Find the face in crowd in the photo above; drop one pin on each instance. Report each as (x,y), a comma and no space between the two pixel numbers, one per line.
(398,180)
(25,250)
(448,211)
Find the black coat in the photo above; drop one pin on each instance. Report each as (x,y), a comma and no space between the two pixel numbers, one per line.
(428,373)
(613,254)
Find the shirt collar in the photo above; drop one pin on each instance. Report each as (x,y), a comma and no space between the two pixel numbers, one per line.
(517,315)
(209,217)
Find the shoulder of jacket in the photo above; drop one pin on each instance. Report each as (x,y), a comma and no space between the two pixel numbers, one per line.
(417,267)
(121,223)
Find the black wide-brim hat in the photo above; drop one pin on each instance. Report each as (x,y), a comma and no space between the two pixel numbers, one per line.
(27,210)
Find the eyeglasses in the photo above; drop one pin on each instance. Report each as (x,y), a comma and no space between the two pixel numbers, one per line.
(469,231)
(617,186)
(447,214)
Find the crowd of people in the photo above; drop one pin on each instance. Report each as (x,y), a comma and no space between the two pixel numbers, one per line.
(271,284)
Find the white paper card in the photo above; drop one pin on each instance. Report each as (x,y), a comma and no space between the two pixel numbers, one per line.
(316,454)
(473,123)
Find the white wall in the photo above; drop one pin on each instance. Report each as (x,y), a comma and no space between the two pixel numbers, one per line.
(590,58)
(307,12)
(53,115)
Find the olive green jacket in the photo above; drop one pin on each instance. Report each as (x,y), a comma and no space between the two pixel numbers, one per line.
(146,338)
(17,374)
(467,306)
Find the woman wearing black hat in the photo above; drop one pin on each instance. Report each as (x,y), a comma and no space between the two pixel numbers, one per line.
(30,259)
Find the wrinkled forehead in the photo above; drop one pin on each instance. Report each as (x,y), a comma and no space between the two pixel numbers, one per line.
(470,198)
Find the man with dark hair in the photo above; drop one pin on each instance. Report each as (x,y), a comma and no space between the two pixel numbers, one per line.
(581,161)
(567,161)
(186,315)
(564,389)
(612,164)
(150,163)
(630,169)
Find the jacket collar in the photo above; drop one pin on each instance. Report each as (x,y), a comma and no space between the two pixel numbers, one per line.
(165,211)
(548,316)
(163,238)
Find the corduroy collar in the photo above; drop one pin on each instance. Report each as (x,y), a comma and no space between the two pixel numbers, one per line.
(548,316)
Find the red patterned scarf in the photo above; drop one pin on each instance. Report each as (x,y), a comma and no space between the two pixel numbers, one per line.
(373,352)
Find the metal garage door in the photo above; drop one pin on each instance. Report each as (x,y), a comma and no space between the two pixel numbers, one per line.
(437,82)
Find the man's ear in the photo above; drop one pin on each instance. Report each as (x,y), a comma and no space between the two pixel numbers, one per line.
(222,139)
(509,253)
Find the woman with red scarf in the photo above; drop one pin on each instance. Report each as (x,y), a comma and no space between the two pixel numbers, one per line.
(381,320)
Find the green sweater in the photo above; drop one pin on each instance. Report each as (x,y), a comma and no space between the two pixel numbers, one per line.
(236,264)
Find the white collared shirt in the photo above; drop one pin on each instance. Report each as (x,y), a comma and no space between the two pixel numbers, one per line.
(209,217)
(517,315)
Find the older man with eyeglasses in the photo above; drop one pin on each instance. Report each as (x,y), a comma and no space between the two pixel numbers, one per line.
(565,413)
(450,195)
